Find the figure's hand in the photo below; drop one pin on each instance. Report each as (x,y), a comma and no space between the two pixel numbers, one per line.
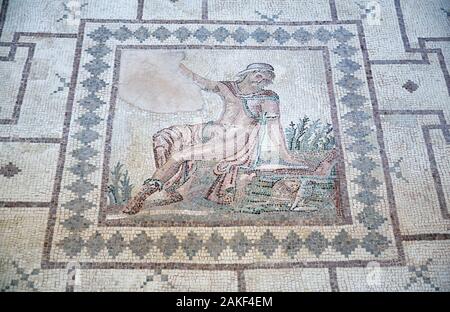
(203,83)
(182,56)
(185,71)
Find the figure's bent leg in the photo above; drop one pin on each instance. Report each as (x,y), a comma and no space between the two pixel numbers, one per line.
(168,170)
(300,198)
(211,151)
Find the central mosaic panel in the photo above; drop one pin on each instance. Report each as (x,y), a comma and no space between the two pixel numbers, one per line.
(222,144)
(223,156)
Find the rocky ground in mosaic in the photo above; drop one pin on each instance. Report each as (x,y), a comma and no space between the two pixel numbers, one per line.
(215,145)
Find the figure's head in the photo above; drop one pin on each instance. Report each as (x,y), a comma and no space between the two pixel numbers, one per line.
(258,75)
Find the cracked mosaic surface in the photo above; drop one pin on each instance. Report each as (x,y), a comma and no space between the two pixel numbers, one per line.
(98,98)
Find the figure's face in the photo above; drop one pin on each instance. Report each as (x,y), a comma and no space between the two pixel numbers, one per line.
(259,79)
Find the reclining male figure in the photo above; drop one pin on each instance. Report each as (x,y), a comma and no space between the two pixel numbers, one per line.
(232,142)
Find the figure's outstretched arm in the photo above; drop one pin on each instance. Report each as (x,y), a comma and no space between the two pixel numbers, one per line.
(203,83)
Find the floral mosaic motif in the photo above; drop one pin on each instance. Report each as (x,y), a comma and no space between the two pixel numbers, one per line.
(192,244)
(115,244)
(375,243)
(344,50)
(95,244)
(72,244)
(215,245)
(168,244)
(371,218)
(76,223)
(240,244)
(302,36)
(344,243)
(267,244)
(141,244)
(292,244)
(316,243)
(323,35)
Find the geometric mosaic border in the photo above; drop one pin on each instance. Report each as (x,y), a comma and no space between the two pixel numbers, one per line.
(73,222)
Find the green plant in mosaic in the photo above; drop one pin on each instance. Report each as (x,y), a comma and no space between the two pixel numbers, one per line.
(308,135)
(119,190)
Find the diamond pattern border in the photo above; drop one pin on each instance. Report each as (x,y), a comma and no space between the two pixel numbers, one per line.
(76,234)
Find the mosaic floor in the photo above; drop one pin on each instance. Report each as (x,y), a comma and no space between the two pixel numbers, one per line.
(224,145)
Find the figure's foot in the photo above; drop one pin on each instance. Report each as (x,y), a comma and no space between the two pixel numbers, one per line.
(299,200)
(305,208)
(137,203)
(173,197)
(301,205)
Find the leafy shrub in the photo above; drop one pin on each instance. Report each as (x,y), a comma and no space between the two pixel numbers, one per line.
(119,191)
(307,135)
